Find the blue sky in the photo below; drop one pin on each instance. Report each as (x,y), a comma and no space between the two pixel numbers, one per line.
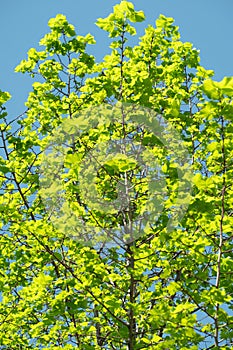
(207,24)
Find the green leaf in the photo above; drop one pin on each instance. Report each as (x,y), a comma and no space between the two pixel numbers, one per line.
(4,97)
(226,85)
(211,89)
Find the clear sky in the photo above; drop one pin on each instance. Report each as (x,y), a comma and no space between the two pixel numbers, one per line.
(208,24)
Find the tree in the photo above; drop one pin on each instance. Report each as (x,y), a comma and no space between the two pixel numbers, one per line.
(116,195)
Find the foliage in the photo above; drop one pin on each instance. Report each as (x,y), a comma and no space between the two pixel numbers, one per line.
(168,287)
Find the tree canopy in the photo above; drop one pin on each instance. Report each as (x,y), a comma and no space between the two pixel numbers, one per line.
(116,195)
